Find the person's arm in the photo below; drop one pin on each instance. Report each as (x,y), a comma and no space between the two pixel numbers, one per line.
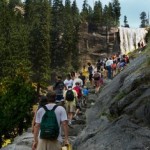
(64,95)
(36,133)
(33,122)
(65,127)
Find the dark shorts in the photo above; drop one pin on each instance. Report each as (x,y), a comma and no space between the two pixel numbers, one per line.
(90,77)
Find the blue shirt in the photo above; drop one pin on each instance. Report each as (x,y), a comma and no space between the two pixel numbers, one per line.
(85,92)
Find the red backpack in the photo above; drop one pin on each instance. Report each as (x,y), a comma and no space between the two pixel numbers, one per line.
(78,90)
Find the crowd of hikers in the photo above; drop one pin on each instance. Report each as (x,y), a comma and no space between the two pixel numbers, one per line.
(66,98)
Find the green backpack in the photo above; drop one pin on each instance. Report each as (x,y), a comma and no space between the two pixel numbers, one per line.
(49,126)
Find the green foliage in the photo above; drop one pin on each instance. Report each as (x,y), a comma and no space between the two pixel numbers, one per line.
(39,42)
(16,99)
(84,12)
(13,3)
(97,13)
(13,41)
(57,33)
(116,11)
(144,20)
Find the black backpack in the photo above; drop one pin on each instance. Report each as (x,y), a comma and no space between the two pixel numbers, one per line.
(49,125)
(69,95)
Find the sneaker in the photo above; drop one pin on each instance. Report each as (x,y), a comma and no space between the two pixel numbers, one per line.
(69,122)
(76,117)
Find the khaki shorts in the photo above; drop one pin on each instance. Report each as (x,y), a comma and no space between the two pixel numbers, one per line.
(48,145)
(70,106)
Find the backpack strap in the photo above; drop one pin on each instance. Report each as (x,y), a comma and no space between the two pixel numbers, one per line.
(45,108)
(54,107)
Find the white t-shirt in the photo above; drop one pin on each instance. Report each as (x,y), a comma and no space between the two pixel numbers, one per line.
(77,80)
(109,62)
(68,82)
(60,114)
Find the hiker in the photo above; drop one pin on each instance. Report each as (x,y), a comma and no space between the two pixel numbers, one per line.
(45,143)
(73,75)
(103,73)
(127,61)
(83,78)
(85,93)
(59,89)
(90,71)
(109,62)
(68,81)
(42,101)
(114,68)
(96,77)
(98,65)
(77,79)
(77,88)
(70,97)
(84,71)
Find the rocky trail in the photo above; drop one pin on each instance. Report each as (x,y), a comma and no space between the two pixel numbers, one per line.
(24,142)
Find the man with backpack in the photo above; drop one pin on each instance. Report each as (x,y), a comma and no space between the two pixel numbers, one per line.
(59,89)
(70,97)
(47,130)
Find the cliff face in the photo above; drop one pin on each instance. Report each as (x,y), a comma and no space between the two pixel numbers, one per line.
(100,42)
(120,118)
(96,44)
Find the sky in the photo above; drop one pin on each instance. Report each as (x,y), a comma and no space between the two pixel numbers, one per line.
(130,8)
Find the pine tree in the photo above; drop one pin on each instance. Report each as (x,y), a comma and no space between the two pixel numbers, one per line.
(13,3)
(14,40)
(67,35)
(110,15)
(39,43)
(126,22)
(116,11)
(97,15)
(56,32)
(29,5)
(105,15)
(84,12)
(75,39)
(143,18)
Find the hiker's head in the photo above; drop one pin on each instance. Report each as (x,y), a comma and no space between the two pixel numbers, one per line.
(89,64)
(72,74)
(43,101)
(51,96)
(80,73)
(68,76)
(77,83)
(69,87)
(59,77)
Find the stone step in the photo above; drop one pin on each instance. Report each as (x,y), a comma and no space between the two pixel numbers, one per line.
(74,130)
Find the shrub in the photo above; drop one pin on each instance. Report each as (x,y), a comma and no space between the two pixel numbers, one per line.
(16,100)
